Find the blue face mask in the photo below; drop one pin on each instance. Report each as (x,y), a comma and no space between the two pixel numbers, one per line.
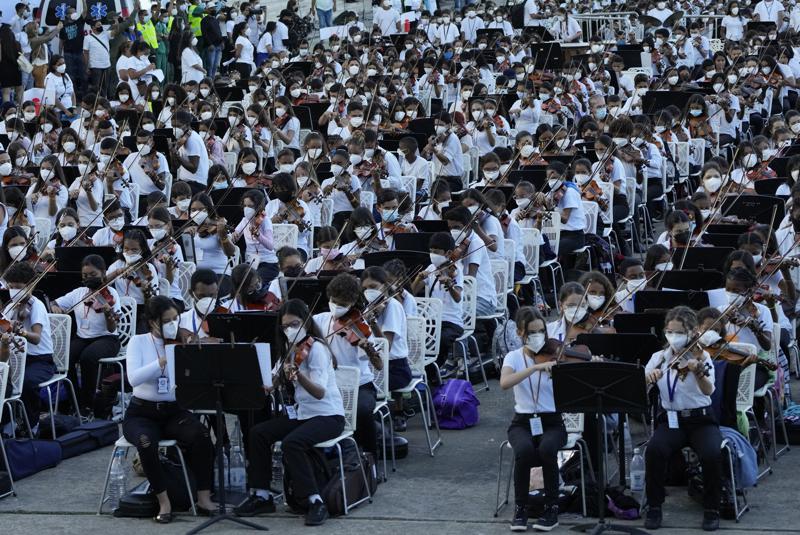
(448,55)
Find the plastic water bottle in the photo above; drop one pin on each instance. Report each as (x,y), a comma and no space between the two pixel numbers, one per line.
(225,470)
(277,466)
(238,473)
(628,451)
(118,480)
(637,471)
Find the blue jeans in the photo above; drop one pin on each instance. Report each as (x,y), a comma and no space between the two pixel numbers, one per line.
(325,18)
(484,307)
(213,57)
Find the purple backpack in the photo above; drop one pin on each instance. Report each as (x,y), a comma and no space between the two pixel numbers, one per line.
(456,405)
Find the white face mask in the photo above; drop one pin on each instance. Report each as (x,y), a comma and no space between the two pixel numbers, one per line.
(372,295)
(144,149)
(734,299)
(16,252)
(116,224)
(199,216)
(491,175)
(673,80)
(249,212)
(620,141)
(67,233)
(336,169)
(709,338)
(337,311)
(634,285)
(183,204)
(149,127)
(158,234)
(314,153)
(582,178)
(477,115)
(170,330)
(664,266)
(280,112)
(595,301)
(83,168)
(574,314)
(20,162)
(458,235)
(535,342)
(712,184)
(204,305)
(69,147)
(438,260)
(750,160)
(6,168)
(522,203)
(249,168)
(295,334)
(356,121)
(757,258)
(132,258)
(362,233)
(677,341)
(526,151)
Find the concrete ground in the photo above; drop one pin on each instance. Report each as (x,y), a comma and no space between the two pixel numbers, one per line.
(452,493)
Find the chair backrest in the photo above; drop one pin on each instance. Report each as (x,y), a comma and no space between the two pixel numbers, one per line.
(746,388)
(500,273)
(185,271)
(16,366)
(326,212)
(347,378)
(429,310)
(230,162)
(285,235)
(573,421)
(60,331)
(630,192)
(381,380)
(607,215)
(591,209)
(43,228)
(510,249)
(416,338)
(531,240)
(367,199)
(126,325)
(3,382)
(775,344)
(135,198)
(469,303)
(551,227)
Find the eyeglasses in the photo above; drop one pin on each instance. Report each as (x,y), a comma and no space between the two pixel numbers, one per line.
(293,325)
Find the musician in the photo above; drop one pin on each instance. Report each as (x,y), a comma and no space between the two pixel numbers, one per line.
(205,293)
(684,375)
(439,203)
(181,195)
(363,232)
(169,257)
(285,126)
(148,168)
(316,415)
(87,190)
(537,431)
(343,188)
(286,207)
(69,145)
(95,316)
(397,278)
(413,165)
(599,297)
(211,235)
(16,247)
(388,205)
(658,258)
(631,273)
(154,414)
(111,234)
(239,135)
(496,203)
(117,180)
(752,320)
(488,227)
(190,152)
(248,293)
(290,263)
(445,152)
(66,233)
(346,299)
(133,273)
(574,310)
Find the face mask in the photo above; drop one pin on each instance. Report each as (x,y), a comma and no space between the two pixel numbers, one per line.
(353,70)
(673,80)
(640,91)
(553,183)
(491,175)
(6,168)
(712,184)
(314,153)
(601,113)
(199,216)
(582,178)
(67,233)
(158,234)
(437,259)
(695,112)
(595,301)
(766,70)
(734,298)
(390,215)
(526,151)
(20,162)
(170,330)
(17,251)
(634,285)
(573,314)
(116,224)
(204,305)
(336,169)
(362,233)
(709,338)
(664,266)
(596,49)
(179,132)
(47,128)
(458,235)
(750,160)
(249,168)
(149,127)
(535,342)
(249,212)
(563,144)
(620,141)
(477,115)
(170,100)
(676,341)
(734,11)
(295,334)
(205,92)
(356,159)
(372,295)
(132,258)
(441,129)
(336,310)
(183,204)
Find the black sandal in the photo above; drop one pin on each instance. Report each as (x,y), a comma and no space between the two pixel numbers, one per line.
(164,518)
(202,511)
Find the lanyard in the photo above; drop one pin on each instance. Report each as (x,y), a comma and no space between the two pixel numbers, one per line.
(672,386)
(158,356)
(530,383)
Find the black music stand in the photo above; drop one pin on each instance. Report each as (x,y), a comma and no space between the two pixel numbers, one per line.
(430,225)
(71,258)
(660,300)
(691,279)
(208,378)
(417,241)
(414,260)
(641,323)
(758,207)
(702,258)
(600,388)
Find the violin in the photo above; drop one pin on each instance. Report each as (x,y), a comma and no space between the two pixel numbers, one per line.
(302,349)
(354,328)
(294,213)
(207,229)
(555,350)
(724,351)
(593,192)
(551,106)
(14,329)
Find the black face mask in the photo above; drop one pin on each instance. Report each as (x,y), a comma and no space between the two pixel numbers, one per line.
(293,271)
(93,283)
(682,237)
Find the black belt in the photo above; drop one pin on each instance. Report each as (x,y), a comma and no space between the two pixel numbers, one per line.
(157,405)
(690,413)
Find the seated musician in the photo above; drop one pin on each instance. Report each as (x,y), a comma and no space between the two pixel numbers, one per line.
(330,257)
(362,231)
(31,323)
(212,240)
(342,187)
(134,274)
(218,179)
(497,204)
(110,235)
(181,201)
(537,431)
(388,205)
(248,293)
(205,293)
(154,414)
(67,234)
(167,253)
(414,165)
(684,375)
(346,302)
(444,280)
(488,227)
(286,207)
(397,277)
(753,321)
(658,258)
(632,279)
(490,170)
(256,229)
(439,203)
(317,414)
(95,308)
(148,167)
(47,195)
(290,263)
(87,191)
(599,299)
(248,169)
(17,247)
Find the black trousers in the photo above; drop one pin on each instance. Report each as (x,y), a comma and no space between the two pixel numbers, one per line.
(99,81)
(703,435)
(297,438)
(147,422)
(87,352)
(530,451)
(366,432)
(450,333)
(38,369)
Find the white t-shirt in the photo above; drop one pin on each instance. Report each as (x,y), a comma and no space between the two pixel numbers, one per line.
(686,394)
(194,147)
(318,367)
(340,200)
(192,322)
(533,394)
(98,48)
(90,323)
(451,310)
(477,253)
(38,316)
(303,238)
(246,55)
(577,218)
(768,10)
(210,253)
(190,58)
(86,215)
(125,286)
(393,320)
(386,20)
(346,354)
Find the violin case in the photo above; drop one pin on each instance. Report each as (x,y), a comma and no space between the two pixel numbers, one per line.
(88,437)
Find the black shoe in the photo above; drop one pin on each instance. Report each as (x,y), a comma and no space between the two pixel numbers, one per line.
(710,520)
(548,520)
(520,522)
(653,520)
(400,424)
(164,518)
(255,505)
(317,514)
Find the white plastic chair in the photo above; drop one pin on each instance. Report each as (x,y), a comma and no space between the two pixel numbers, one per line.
(416,339)
(43,229)
(573,422)
(16,376)
(122,443)
(347,378)
(285,235)
(591,210)
(367,199)
(230,162)
(744,401)
(185,271)
(60,332)
(551,227)
(126,328)
(772,401)
(469,304)
(429,310)
(326,212)
(4,373)
(381,382)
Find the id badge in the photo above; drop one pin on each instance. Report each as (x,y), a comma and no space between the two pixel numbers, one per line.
(253,259)
(672,419)
(163,385)
(536,426)
(291,412)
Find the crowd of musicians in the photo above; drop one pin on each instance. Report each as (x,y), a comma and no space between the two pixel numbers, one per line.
(456,130)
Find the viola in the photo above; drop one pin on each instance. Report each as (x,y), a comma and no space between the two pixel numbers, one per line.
(555,350)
